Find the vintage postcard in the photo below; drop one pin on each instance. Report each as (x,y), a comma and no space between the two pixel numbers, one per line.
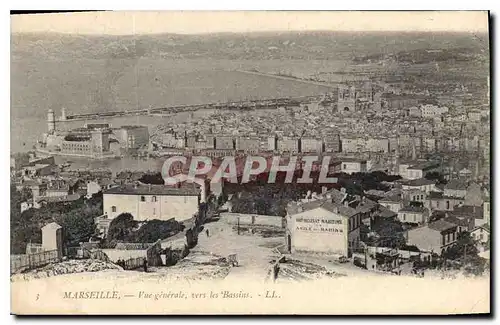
(280,162)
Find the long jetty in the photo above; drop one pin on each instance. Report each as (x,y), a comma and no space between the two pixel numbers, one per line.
(234,105)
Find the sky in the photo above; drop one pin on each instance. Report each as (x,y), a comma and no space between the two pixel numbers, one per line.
(199,22)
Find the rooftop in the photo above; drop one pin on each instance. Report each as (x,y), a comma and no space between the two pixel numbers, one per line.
(186,189)
(457,221)
(334,202)
(439,195)
(362,161)
(423,165)
(386,213)
(393,199)
(441,225)
(455,184)
(59,199)
(469,211)
(418,182)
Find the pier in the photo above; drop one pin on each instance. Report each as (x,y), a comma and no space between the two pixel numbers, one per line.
(234,105)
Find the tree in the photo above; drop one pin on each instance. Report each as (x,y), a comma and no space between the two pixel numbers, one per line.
(155,179)
(222,198)
(155,229)
(390,232)
(77,228)
(464,247)
(121,227)
(76,218)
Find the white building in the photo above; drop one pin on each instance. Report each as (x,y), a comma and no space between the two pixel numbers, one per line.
(422,185)
(322,226)
(432,111)
(311,145)
(412,214)
(455,188)
(393,203)
(435,237)
(377,145)
(147,202)
(481,234)
(350,166)
(133,136)
(350,145)
(415,169)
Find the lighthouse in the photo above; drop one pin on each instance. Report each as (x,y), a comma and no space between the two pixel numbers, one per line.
(51,122)
(63,114)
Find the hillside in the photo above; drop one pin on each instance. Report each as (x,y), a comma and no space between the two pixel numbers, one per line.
(254,46)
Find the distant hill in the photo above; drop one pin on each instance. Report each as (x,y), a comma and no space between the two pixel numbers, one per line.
(290,45)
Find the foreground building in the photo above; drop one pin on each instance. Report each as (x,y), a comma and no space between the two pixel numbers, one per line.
(148,202)
(329,224)
(435,237)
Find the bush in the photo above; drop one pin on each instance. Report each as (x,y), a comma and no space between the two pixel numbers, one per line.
(121,227)
(359,262)
(77,220)
(153,230)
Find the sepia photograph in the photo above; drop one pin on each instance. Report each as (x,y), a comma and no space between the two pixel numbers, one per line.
(250,162)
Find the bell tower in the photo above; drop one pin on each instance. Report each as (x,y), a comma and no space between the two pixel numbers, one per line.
(346,101)
(51,122)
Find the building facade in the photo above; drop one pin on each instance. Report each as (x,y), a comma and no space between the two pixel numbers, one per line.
(350,166)
(133,137)
(435,237)
(326,229)
(148,202)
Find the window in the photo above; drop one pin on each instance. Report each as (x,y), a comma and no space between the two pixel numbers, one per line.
(404,216)
(454,236)
(143,198)
(481,236)
(447,205)
(345,166)
(153,199)
(113,208)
